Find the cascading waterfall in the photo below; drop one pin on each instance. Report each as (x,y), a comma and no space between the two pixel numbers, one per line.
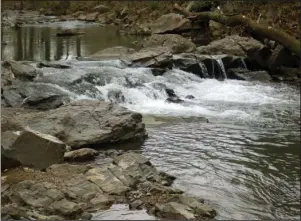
(213,73)
(204,70)
(221,67)
(244,65)
(139,90)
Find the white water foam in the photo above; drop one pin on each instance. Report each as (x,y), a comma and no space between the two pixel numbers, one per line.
(213,98)
(145,93)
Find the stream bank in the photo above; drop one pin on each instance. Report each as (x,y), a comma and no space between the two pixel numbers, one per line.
(246,152)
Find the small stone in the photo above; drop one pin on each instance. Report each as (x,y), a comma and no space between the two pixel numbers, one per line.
(66,207)
(136,205)
(174,211)
(89,196)
(86,216)
(165,183)
(102,201)
(189,97)
(80,154)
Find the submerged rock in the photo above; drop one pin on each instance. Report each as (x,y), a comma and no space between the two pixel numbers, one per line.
(172,97)
(53,65)
(85,122)
(288,75)
(161,120)
(189,97)
(243,74)
(174,100)
(239,46)
(116,96)
(69,32)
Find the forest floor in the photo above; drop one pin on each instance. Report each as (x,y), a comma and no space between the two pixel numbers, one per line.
(279,14)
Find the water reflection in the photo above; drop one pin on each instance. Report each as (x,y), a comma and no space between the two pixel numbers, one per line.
(245,172)
(39,42)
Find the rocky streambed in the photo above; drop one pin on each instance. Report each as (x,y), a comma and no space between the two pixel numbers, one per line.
(70,191)
(76,191)
(38,184)
(215,106)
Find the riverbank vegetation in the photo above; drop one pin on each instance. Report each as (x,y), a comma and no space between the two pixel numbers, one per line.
(283,15)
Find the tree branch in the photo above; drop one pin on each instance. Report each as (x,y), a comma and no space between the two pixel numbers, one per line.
(266,31)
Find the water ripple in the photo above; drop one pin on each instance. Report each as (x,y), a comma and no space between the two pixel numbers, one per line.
(245,172)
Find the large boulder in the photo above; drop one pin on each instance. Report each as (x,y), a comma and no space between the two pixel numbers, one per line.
(92,16)
(281,56)
(177,43)
(170,23)
(239,46)
(35,95)
(233,45)
(7,77)
(12,70)
(191,64)
(286,74)
(101,9)
(20,70)
(112,53)
(84,122)
(154,57)
(31,148)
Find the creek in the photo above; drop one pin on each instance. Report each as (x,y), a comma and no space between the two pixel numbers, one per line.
(245,161)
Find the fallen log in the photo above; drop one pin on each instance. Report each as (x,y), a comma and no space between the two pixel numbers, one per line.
(240,20)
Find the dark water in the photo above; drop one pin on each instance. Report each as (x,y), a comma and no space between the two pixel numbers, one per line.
(245,161)
(245,172)
(39,42)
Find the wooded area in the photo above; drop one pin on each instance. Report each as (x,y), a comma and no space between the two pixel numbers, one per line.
(240,20)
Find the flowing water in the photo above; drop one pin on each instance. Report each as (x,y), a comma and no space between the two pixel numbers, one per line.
(245,161)
(221,66)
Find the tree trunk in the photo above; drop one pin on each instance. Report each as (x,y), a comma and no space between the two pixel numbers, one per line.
(190,5)
(240,20)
